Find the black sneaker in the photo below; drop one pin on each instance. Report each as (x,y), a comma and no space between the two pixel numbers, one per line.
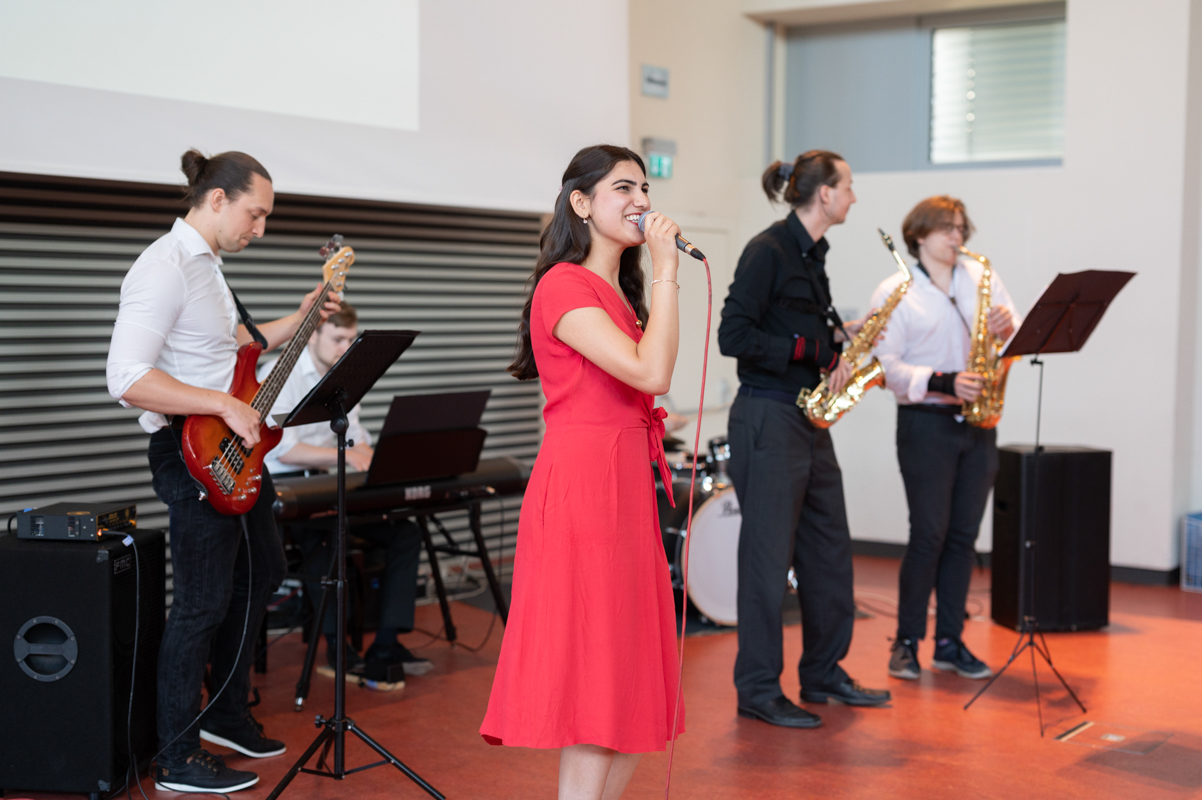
(952,656)
(355,663)
(903,663)
(399,654)
(246,737)
(202,772)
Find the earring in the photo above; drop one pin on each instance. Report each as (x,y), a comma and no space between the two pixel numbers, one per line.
(585,220)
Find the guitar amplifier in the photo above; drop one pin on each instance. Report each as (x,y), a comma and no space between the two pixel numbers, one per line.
(70,618)
(80,522)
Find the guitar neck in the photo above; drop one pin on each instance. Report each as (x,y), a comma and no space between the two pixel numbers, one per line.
(273,384)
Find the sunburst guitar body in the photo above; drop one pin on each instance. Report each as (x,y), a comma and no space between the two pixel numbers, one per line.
(230,472)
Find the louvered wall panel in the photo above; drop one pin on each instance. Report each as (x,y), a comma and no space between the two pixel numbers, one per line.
(456,275)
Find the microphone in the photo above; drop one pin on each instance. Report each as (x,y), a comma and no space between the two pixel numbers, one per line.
(681,242)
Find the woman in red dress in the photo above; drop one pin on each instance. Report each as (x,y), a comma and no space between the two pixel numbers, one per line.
(589,662)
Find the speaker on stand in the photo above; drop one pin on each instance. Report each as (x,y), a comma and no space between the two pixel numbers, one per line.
(1071,533)
(67,610)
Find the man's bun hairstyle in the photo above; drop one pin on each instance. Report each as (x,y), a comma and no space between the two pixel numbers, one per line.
(232,172)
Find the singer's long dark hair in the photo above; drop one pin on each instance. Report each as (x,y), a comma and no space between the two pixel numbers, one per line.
(567,238)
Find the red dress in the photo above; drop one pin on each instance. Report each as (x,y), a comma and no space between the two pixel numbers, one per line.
(589,654)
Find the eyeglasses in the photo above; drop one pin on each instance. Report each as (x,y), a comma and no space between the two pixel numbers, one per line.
(949,228)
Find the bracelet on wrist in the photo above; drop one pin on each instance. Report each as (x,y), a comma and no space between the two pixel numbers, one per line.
(665,280)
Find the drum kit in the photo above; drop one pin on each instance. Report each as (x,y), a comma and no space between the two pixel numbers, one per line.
(714,536)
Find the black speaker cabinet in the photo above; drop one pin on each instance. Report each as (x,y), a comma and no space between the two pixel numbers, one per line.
(1069,525)
(67,612)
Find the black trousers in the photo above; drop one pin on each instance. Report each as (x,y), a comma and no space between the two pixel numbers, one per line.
(402,543)
(209,619)
(948,468)
(790,490)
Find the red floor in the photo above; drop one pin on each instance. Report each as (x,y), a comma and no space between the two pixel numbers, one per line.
(1138,678)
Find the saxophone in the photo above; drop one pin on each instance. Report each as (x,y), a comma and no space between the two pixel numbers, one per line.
(821,406)
(984,357)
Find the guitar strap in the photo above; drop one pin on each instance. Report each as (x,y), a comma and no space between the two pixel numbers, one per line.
(247,319)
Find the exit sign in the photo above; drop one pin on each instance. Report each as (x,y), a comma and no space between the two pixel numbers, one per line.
(659,165)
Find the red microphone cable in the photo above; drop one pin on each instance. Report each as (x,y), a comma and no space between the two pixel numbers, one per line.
(688,528)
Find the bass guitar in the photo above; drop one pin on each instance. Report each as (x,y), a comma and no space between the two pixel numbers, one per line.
(230,472)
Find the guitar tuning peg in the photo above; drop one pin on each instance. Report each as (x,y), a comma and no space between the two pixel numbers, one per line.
(331,246)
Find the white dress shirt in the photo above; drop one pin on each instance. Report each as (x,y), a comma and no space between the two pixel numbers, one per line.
(928,333)
(177,315)
(302,380)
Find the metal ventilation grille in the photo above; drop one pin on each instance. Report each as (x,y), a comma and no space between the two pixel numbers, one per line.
(456,275)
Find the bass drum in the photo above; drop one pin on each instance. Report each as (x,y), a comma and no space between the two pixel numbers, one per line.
(672,520)
(714,557)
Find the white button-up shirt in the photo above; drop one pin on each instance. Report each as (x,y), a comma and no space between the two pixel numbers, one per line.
(302,380)
(177,315)
(928,333)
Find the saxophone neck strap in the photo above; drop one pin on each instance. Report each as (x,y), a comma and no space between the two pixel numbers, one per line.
(951,296)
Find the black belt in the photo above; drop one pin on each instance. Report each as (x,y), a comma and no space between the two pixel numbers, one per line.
(941,409)
(176,421)
(768,394)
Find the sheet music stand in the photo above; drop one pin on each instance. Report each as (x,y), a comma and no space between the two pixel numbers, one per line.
(367,359)
(1060,322)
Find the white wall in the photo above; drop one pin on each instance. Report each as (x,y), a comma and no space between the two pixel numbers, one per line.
(506,93)
(1119,201)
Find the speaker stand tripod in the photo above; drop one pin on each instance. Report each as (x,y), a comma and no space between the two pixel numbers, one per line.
(1029,626)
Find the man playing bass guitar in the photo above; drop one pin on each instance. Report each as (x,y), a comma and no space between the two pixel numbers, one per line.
(172,354)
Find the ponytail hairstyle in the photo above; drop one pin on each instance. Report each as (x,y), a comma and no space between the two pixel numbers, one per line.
(232,172)
(567,239)
(797,184)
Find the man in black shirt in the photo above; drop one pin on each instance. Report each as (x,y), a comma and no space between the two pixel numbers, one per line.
(779,323)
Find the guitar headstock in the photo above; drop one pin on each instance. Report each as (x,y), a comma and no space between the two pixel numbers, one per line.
(338,262)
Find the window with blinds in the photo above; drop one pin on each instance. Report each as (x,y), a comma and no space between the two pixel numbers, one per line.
(997,93)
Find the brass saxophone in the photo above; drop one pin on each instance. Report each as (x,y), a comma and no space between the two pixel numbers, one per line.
(821,406)
(984,356)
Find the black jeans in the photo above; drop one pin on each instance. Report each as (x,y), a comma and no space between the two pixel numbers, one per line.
(208,623)
(790,490)
(948,468)
(402,543)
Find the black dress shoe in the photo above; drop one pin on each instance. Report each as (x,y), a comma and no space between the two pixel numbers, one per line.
(848,692)
(781,711)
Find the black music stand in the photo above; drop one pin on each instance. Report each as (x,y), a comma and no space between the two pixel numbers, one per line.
(1060,322)
(368,358)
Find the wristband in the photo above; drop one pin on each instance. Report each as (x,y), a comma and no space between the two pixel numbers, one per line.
(943,382)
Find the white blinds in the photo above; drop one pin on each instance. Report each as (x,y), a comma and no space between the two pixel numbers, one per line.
(997,92)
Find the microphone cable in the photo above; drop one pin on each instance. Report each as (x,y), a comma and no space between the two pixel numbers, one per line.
(688,528)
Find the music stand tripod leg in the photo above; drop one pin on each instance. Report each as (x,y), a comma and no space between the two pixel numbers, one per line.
(1019,647)
(1047,657)
(486,562)
(306,678)
(436,574)
(322,738)
(396,762)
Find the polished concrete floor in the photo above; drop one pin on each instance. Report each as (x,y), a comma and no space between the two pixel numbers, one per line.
(1139,679)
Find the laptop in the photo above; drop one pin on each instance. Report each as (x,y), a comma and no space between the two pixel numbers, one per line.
(429,437)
